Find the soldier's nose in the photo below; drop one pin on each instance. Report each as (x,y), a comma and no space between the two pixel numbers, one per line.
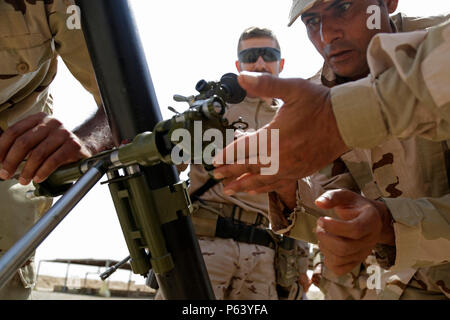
(260,62)
(329,32)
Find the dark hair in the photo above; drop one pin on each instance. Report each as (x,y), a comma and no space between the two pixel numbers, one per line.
(255,32)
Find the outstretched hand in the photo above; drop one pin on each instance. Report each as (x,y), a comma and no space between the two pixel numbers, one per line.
(309,138)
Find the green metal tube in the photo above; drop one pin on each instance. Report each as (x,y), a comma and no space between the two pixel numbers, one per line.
(64,175)
(142,150)
(139,259)
(145,209)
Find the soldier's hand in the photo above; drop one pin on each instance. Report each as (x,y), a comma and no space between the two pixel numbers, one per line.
(288,193)
(317,275)
(308,135)
(346,242)
(43,142)
(304,281)
(288,196)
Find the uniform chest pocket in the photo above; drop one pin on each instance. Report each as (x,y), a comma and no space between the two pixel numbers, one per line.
(21,52)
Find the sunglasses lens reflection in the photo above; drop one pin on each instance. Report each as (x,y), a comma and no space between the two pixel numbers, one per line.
(251,55)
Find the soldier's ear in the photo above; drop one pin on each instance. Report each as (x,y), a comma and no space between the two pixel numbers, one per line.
(281,65)
(238,66)
(391,5)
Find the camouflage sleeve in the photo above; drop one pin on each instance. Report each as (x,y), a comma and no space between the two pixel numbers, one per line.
(70,44)
(301,223)
(406,93)
(317,261)
(296,224)
(422,231)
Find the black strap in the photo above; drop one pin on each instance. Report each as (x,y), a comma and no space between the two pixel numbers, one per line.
(200,191)
(447,160)
(231,229)
(228,229)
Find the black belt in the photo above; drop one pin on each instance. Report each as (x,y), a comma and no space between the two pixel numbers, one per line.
(229,229)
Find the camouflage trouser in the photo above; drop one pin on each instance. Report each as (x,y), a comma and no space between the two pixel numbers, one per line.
(354,285)
(17,215)
(238,271)
(333,290)
(20,286)
(351,286)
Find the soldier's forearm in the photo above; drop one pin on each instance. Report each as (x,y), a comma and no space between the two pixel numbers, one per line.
(95,133)
(371,110)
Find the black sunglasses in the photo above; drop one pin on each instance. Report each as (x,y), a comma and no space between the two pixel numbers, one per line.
(252,54)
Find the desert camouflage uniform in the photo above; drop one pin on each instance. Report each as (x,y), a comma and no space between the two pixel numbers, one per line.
(237,270)
(406,93)
(32,35)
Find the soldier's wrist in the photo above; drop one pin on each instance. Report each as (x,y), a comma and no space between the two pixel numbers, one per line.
(387,234)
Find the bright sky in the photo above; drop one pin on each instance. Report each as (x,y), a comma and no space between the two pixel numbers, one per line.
(184,41)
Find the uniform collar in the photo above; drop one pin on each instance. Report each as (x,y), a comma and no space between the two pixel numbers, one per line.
(258,101)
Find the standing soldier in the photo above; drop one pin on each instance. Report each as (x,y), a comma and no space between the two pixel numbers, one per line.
(238,250)
(32,35)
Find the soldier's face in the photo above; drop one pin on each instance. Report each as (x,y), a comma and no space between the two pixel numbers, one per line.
(272,67)
(340,32)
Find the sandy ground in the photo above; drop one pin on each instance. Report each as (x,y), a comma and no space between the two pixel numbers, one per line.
(49,295)
(50,288)
(46,285)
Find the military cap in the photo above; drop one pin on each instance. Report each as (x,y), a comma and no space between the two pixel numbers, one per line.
(299,7)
